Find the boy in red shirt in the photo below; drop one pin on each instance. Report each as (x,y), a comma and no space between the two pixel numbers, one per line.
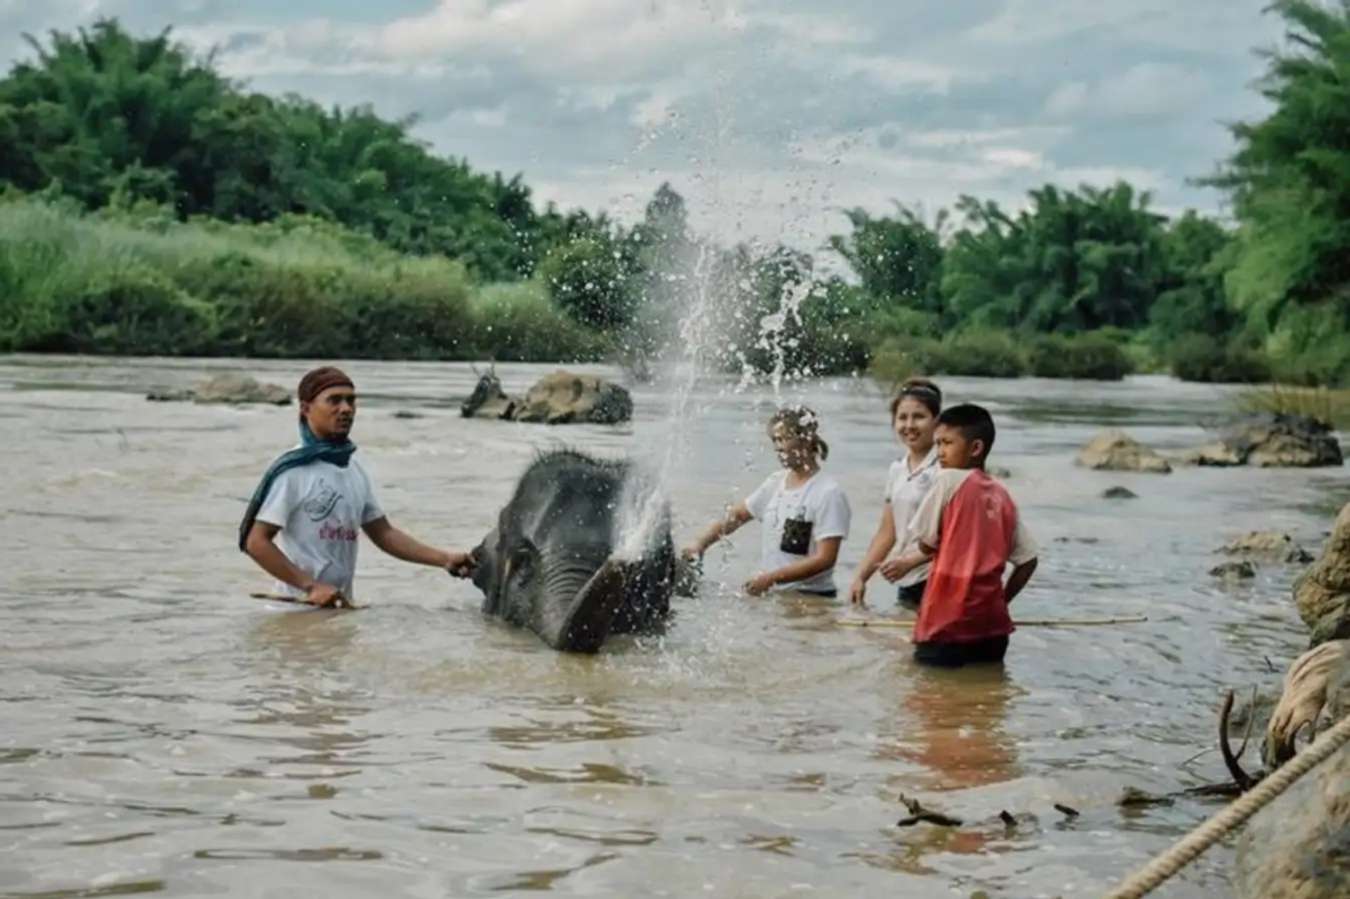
(968,525)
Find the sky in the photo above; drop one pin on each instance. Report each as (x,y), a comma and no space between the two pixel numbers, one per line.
(769,116)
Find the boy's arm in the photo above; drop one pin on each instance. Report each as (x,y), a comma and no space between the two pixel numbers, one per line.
(1018,579)
(1023,557)
(827,553)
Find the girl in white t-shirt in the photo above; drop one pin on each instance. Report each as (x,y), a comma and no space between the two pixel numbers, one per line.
(914,413)
(804,511)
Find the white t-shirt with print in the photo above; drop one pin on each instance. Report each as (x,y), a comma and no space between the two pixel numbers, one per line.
(820,501)
(321,509)
(905,489)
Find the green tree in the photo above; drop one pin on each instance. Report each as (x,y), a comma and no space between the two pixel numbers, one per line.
(102,112)
(898,259)
(1074,261)
(1191,298)
(588,280)
(1290,182)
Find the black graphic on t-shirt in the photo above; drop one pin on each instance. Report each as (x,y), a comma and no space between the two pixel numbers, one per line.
(321,501)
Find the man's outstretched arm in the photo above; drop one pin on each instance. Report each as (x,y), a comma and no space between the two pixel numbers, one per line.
(402,545)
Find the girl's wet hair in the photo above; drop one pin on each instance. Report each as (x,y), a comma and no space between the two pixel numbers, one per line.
(921,390)
(800,421)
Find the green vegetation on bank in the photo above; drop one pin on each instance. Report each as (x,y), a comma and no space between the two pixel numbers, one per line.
(153,206)
(138,281)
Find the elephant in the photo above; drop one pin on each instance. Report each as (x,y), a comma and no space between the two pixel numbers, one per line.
(557,562)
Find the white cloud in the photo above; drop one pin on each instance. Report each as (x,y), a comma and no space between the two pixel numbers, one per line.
(770,115)
(1142,91)
(599,39)
(899,74)
(1067,100)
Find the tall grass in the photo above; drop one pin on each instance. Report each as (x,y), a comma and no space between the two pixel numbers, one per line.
(139,282)
(1331,407)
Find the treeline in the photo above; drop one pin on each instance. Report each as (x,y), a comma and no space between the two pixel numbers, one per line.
(153,206)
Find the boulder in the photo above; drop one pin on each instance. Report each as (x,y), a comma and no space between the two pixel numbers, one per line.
(1114,450)
(565,398)
(170,395)
(488,399)
(1278,440)
(1119,492)
(1270,546)
(1322,593)
(1303,699)
(1298,847)
(237,389)
(1218,455)
(1241,570)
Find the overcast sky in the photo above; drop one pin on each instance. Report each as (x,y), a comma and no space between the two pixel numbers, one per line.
(768,115)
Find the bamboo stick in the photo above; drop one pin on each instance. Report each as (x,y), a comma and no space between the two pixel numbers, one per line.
(1030,622)
(282,597)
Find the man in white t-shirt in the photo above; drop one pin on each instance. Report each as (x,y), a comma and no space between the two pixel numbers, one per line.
(316,497)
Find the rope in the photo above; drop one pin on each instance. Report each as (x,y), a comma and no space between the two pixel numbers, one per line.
(1216,828)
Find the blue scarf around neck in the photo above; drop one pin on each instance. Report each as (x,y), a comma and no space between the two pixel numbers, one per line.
(311,449)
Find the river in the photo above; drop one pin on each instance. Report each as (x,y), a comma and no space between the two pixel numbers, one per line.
(160,731)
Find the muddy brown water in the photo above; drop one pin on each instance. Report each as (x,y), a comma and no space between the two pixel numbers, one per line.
(162,732)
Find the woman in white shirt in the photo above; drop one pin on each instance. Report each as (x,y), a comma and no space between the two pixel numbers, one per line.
(804,511)
(914,413)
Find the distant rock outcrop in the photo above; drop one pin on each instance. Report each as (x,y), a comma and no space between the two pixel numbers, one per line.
(559,398)
(228,388)
(1114,450)
(1271,440)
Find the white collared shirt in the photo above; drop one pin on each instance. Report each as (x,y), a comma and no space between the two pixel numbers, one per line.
(905,490)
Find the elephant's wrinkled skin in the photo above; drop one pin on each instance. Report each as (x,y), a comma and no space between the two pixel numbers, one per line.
(550,563)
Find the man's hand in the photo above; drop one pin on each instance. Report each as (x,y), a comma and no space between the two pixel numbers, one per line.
(460,564)
(691,553)
(857,593)
(759,584)
(325,596)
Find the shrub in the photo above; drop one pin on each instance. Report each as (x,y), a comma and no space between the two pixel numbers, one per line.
(987,354)
(1199,357)
(587,280)
(1092,356)
(516,322)
(901,357)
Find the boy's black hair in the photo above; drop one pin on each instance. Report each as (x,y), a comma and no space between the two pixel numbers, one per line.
(974,422)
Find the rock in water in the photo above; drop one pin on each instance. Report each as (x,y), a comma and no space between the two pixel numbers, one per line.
(1218,455)
(1272,546)
(1119,492)
(1114,450)
(1240,571)
(1286,441)
(565,398)
(488,399)
(237,389)
(1322,593)
(170,395)
(1298,847)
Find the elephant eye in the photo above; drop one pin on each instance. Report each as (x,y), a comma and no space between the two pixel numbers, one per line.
(521,564)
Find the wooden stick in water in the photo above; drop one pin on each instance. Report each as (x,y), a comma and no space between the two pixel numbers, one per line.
(341,603)
(1030,622)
